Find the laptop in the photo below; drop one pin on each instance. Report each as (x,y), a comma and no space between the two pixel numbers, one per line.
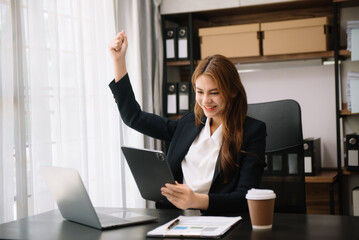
(75,205)
(150,170)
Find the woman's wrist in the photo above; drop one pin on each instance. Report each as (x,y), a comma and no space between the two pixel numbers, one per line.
(201,201)
(120,71)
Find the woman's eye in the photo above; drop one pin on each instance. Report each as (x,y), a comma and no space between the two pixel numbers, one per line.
(215,93)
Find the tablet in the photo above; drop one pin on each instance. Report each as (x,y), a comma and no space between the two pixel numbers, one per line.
(150,170)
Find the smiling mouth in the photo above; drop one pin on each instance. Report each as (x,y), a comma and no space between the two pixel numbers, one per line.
(209,108)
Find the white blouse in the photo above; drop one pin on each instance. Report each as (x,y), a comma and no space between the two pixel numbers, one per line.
(199,163)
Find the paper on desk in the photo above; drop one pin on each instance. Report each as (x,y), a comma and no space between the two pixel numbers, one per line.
(354,95)
(196,226)
(355,44)
(350,26)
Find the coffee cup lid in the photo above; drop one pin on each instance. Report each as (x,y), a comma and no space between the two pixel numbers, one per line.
(260,194)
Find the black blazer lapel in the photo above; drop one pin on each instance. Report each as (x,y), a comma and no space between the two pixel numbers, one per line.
(181,149)
(217,170)
(186,133)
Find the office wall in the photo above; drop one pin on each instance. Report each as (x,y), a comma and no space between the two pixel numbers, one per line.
(175,6)
(312,85)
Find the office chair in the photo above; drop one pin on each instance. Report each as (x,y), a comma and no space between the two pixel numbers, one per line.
(284,153)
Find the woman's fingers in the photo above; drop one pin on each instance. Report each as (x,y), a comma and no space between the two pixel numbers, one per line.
(123,43)
(119,34)
(178,194)
(177,191)
(117,43)
(114,45)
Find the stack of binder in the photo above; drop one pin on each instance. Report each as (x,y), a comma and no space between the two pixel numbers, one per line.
(178,98)
(177,46)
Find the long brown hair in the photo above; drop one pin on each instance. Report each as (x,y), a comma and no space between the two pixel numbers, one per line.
(226,76)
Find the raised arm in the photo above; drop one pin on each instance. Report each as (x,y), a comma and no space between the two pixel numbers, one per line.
(131,113)
(118,48)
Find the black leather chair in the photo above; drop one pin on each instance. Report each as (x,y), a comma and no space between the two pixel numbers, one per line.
(284,153)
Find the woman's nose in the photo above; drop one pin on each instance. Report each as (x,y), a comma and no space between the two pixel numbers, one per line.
(206,98)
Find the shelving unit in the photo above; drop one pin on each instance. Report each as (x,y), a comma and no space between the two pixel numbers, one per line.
(268,13)
(326,180)
(340,114)
(244,15)
(270,58)
(346,172)
(345,112)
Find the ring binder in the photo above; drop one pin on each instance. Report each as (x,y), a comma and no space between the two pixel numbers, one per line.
(182,35)
(312,156)
(352,152)
(171,98)
(171,43)
(183,97)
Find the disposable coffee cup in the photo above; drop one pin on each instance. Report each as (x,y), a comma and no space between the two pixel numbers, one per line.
(261,207)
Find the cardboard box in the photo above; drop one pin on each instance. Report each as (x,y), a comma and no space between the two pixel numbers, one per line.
(230,41)
(297,36)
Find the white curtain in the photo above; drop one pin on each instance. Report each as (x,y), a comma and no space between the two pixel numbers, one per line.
(55,104)
(7,114)
(142,24)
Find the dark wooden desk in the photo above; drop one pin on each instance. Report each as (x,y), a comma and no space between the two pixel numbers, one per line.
(50,225)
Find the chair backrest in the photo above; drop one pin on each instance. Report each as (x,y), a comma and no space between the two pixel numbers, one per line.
(284,153)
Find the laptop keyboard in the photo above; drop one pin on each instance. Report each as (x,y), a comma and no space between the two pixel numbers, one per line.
(107,220)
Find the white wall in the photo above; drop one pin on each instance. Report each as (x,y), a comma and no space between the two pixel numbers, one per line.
(313,87)
(175,6)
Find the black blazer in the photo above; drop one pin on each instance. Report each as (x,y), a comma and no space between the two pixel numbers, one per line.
(223,198)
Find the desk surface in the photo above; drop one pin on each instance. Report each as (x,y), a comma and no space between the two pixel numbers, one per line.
(51,225)
(325,176)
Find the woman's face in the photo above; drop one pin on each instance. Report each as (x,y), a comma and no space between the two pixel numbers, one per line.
(209,98)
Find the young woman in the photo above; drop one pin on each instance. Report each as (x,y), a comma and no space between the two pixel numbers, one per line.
(216,154)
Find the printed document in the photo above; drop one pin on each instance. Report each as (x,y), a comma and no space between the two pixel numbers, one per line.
(195,226)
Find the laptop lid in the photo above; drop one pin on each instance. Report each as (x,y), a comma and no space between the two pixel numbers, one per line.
(74,202)
(150,170)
